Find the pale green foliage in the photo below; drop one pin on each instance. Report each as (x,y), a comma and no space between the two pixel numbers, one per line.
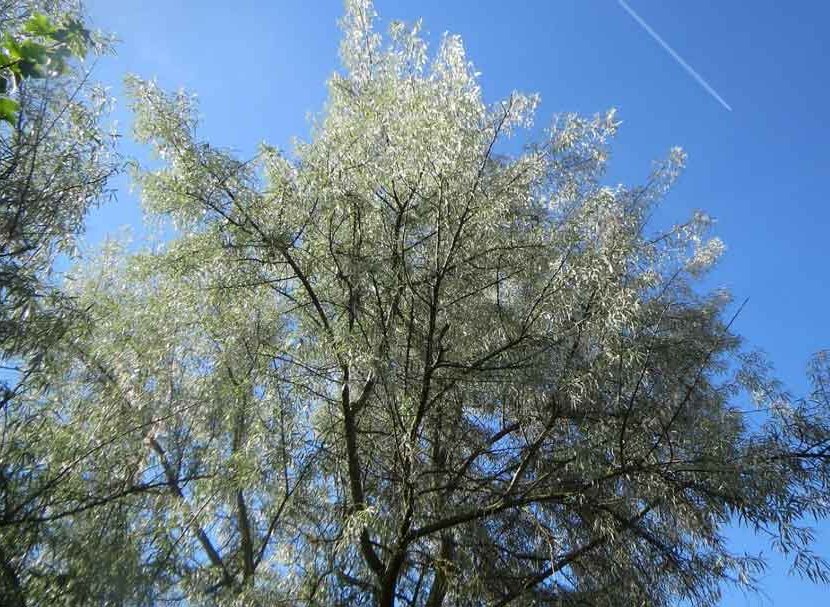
(54,163)
(55,160)
(400,368)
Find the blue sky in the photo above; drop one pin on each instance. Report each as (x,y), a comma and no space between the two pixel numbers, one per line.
(259,68)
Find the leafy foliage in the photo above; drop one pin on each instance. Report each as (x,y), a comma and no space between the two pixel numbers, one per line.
(40,48)
(53,159)
(400,368)
(54,164)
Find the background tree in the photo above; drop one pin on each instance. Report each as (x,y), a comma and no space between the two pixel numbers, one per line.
(53,160)
(54,164)
(399,367)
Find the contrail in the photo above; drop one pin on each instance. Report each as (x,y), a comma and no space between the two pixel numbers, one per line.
(691,71)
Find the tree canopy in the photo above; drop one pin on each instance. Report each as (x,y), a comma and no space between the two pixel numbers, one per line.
(54,161)
(54,164)
(399,366)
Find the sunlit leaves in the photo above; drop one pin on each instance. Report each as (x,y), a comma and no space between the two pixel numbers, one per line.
(39,48)
(398,365)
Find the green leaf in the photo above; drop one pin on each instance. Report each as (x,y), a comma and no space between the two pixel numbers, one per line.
(11,48)
(75,36)
(8,110)
(33,58)
(33,51)
(39,25)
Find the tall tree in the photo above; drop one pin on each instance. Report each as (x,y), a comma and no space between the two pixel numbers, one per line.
(54,164)
(399,367)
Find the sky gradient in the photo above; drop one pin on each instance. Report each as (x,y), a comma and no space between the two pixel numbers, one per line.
(259,68)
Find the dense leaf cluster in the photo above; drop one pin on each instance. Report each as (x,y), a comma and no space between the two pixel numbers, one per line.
(38,49)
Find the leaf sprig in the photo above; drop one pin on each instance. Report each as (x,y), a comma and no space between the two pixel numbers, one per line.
(41,48)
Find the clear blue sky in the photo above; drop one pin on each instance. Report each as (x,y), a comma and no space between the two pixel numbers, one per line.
(259,68)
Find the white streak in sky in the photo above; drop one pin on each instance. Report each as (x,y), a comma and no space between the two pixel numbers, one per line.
(691,71)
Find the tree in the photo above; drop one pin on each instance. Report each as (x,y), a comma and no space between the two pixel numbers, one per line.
(54,163)
(401,368)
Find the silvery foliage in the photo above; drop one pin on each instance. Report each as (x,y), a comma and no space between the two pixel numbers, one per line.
(400,367)
(55,160)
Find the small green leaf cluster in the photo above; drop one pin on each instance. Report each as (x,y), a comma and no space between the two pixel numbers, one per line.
(39,49)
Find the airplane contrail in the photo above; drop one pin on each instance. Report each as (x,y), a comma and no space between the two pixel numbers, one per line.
(689,69)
